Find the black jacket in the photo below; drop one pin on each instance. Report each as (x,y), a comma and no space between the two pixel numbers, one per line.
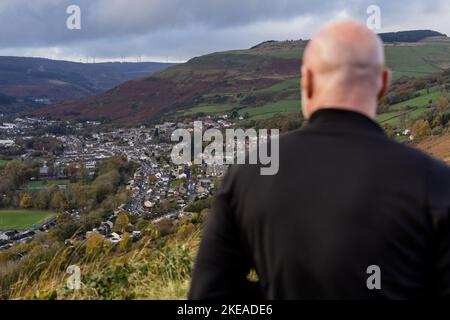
(345,198)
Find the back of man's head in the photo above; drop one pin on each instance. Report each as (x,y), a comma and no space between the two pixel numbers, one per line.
(343,67)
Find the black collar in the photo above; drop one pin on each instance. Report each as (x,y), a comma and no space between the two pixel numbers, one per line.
(343,120)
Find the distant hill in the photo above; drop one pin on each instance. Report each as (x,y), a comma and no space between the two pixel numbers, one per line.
(34,81)
(409,36)
(5,99)
(257,83)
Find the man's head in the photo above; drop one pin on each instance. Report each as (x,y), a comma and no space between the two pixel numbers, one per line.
(343,67)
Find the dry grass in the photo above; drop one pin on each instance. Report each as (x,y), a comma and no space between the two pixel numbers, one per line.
(154,268)
(437,146)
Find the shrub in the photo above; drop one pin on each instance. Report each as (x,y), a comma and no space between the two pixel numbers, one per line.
(185,230)
(165,227)
(121,222)
(94,244)
(126,241)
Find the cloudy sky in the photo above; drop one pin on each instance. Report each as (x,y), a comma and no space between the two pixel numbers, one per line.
(176,30)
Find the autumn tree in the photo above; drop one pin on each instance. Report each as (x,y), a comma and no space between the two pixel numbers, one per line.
(57,202)
(389,130)
(94,244)
(41,199)
(121,222)
(25,200)
(126,241)
(84,174)
(421,129)
(443,103)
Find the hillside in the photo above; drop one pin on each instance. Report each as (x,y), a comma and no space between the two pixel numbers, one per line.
(26,82)
(409,36)
(438,147)
(259,82)
(158,266)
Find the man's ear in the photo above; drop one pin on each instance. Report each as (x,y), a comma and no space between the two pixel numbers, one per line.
(307,82)
(386,82)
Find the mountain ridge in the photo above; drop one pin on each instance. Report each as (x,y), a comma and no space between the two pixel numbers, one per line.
(250,80)
(31,80)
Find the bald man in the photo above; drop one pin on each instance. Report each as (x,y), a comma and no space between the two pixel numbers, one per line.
(350,214)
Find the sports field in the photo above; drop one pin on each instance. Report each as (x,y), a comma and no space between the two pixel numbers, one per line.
(44,184)
(22,219)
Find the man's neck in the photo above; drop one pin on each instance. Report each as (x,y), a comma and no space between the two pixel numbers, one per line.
(368,111)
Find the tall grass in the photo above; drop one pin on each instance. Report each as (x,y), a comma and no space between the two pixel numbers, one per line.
(154,268)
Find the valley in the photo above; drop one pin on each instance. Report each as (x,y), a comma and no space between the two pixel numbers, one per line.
(27,83)
(86,172)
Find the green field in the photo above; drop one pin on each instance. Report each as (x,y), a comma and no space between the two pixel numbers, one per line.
(288,54)
(406,59)
(286,85)
(3,162)
(42,184)
(416,59)
(208,109)
(420,101)
(387,116)
(271,109)
(412,109)
(22,219)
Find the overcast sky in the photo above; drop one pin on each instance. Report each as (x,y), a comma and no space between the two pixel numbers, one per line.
(176,30)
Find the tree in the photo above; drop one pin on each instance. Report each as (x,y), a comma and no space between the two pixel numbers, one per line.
(217,183)
(121,222)
(152,179)
(41,200)
(126,241)
(106,184)
(180,182)
(25,201)
(165,227)
(141,224)
(421,129)
(199,205)
(94,244)
(72,171)
(84,175)
(389,130)
(436,121)
(443,103)
(65,228)
(57,201)
(185,230)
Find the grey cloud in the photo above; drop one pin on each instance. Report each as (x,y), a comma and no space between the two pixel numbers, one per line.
(183,28)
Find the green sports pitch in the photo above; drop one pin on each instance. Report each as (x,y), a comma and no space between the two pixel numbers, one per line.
(22,219)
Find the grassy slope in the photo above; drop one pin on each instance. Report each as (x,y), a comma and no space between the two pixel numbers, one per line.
(437,146)
(208,109)
(22,219)
(417,59)
(420,101)
(156,267)
(271,108)
(153,268)
(267,75)
(265,110)
(290,85)
(411,109)
(413,60)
